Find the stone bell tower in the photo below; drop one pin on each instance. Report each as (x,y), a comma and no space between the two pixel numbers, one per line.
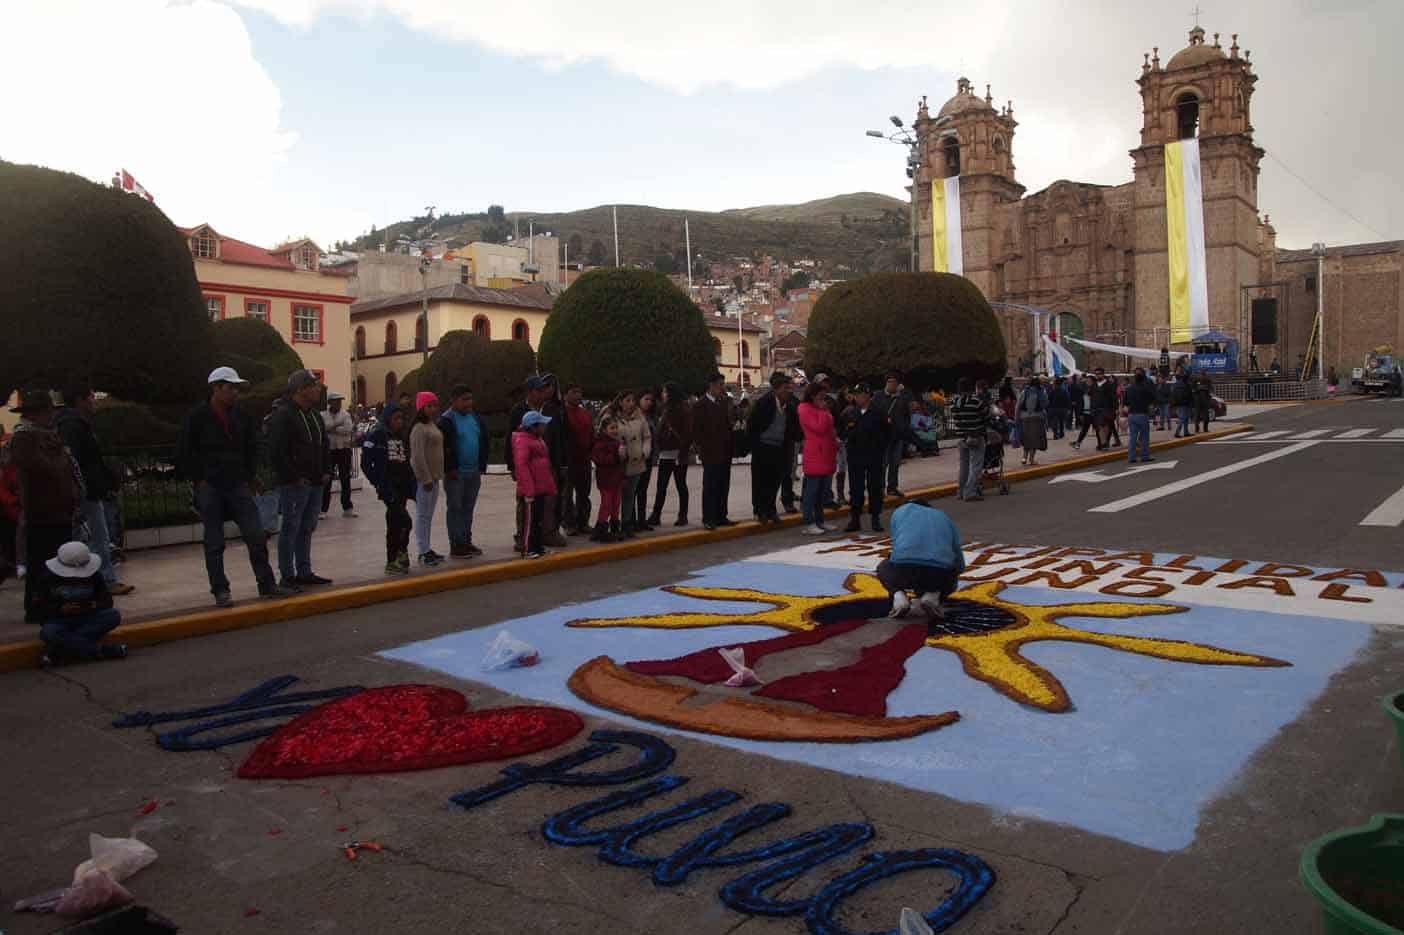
(970,138)
(1203,92)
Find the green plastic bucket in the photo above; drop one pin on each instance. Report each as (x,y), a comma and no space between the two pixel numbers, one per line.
(1357,877)
(1394,707)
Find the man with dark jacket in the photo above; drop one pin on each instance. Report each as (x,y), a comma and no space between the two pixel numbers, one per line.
(772,425)
(712,433)
(895,404)
(466,443)
(580,440)
(867,435)
(49,486)
(297,448)
(1059,402)
(1138,402)
(75,427)
(218,453)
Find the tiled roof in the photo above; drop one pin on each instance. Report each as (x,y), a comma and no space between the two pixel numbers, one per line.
(729,322)
(457,292)
(244,254)
(1350,249)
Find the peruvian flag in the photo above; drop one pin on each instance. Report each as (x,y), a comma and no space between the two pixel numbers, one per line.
(129,184)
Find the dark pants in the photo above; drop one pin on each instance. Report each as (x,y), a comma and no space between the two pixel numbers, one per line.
(577,496)
(535,522)
(397,529)
(787,478)
(298,504)
(341,473)
(677,471)
(217,507)
(41,543)
(767,463)
(1057,421)
(1201,418)
(895,449)
(1088,421)
(560,503)
(865,479)
(78,637)
(641,495)
(716,490)
(923,579)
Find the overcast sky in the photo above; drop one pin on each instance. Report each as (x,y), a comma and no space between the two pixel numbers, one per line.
(274,118)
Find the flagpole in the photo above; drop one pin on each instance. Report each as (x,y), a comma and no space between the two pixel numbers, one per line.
(687,235)
(616,235)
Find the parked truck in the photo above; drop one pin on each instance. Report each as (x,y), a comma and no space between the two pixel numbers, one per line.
(1382,372)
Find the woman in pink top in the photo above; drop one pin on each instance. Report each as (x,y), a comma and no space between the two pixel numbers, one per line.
(536,480)
(820,456)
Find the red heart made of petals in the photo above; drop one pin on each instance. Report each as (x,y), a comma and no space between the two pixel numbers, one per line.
(404,727)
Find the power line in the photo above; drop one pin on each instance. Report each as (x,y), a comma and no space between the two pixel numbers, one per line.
(1318,194)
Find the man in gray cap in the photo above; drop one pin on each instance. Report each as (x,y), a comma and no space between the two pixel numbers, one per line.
(297,449)
(218,453)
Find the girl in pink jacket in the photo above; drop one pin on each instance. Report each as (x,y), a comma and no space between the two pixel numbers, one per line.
(820,457)
(536,480)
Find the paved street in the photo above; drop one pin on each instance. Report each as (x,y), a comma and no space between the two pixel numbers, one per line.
(1145,742)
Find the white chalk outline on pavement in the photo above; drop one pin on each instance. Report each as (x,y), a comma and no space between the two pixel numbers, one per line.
(1388,513)
(1167,490)
(1097,477)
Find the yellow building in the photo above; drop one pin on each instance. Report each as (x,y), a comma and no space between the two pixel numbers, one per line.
(743,368)
(389,335)
(284,287)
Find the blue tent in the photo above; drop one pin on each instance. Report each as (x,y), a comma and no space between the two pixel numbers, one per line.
(1224,360)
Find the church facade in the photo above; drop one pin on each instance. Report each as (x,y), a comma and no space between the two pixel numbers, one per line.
(1096,256)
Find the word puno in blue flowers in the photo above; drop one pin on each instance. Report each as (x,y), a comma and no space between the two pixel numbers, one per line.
(768,866)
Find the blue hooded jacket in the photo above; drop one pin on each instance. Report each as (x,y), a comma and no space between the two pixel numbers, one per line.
(385,460)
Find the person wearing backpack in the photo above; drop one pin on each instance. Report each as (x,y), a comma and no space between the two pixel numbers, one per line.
(1033,420)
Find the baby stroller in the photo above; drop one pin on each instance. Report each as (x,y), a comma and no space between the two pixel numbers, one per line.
(996,437)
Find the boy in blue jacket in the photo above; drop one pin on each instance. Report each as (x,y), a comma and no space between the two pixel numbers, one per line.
(926,558)
(385,460)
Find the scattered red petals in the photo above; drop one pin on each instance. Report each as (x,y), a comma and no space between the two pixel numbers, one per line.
(343,827)
(250,912)
(149,807)
(273,831)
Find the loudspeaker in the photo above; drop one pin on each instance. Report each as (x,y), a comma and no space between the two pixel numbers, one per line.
(1264,321)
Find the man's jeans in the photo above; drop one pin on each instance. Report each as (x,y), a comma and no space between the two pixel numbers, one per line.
(99,539)
(895,448)
(79,636)
(300,507)
(1183,426)
(1139,426)
(972,465)
(462,499)
(425,502)
(237,505)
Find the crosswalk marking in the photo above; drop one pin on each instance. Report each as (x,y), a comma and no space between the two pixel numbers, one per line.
(1394,433)
(1355,433)
(1314,433)
(1157,493)
(1261,436)
(1389,513)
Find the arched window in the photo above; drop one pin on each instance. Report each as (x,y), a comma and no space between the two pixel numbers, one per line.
(360,391)
(204,245)
(950,147)
(419,334)
(391,339)
(717,347)
(999,145)
(360,341)
(391,384)
(1187,115)
(482,327)
(745,350)
(521,331)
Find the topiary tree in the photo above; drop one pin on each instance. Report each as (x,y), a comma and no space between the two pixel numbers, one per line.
(494,369)
(96,283)
(932,327)
(619,329)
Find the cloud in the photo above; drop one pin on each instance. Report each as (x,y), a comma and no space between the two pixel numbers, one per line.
(171,92)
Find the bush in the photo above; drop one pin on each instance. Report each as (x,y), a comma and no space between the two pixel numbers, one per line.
(619,329)
(494,369)
(260,355)
(96,283)
(121,424)
(932,327)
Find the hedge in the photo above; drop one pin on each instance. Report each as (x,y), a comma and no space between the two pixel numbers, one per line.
(494,370)
(259,354)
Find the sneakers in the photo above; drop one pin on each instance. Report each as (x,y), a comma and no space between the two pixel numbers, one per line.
(901,604)
(459,550)
(814,530)
(532,556)
(403,562)
(554,539)
(430,558)
(473,550)
(791,508)
(350,514)
(930,604)
(311,580)
(112,651)
(223,599)
(289,586)
(272,594)
(118,588)
(393,567)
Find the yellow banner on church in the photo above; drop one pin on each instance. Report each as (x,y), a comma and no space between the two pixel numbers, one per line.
(1184,218)
(946,245)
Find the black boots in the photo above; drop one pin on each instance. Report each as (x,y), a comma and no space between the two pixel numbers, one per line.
(600,534)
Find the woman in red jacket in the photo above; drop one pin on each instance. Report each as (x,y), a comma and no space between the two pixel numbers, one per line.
(608,455)
(820,456)
(536,479)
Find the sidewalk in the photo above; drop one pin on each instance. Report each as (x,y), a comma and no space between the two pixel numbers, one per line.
(351,551)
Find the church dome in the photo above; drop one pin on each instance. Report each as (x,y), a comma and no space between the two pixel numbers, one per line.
(964,100)
(1196,53)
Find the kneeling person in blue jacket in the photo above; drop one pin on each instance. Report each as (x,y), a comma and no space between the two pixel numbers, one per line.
(926,558)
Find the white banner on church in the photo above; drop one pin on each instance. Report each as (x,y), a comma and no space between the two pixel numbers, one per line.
(946,244)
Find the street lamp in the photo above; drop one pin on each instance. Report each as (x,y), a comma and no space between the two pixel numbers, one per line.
(424,264)
(1318,250)
(911,140)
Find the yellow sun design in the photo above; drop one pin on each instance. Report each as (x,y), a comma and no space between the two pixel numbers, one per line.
(991,657)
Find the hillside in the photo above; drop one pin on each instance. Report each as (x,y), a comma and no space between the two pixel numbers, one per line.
(863,232)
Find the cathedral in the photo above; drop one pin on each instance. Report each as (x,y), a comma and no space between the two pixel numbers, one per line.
(1096,257)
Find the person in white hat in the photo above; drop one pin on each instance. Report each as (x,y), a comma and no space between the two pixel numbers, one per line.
(218,453)
(341,430)
(75,608)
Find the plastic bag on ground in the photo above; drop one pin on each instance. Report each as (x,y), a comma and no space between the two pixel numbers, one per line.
(741,675)
(94,892)
(912,923)
(120,857)
(507,652)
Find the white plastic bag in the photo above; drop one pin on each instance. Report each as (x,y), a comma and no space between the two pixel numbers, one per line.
(741,675)
(912,923)
(120,857)
(507,652)
(96,891)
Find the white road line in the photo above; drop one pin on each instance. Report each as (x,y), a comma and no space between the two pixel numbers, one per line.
(1355,433)
(1170,489)
(1389,513)
(1261,436)
(1394,433)
(1314,433)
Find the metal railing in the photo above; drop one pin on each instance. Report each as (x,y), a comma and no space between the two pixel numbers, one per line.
(1252,391)
(149,493)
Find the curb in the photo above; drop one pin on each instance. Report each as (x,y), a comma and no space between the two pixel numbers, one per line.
(26,655)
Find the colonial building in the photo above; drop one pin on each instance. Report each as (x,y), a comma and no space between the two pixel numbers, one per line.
(285,287)
(1096,255)
(390,338)
(738,350)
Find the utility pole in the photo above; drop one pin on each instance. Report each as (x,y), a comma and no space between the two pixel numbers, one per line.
(687,238)
(616,236)
(1319,249)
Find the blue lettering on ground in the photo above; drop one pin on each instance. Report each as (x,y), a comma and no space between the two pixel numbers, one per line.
(781,860)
